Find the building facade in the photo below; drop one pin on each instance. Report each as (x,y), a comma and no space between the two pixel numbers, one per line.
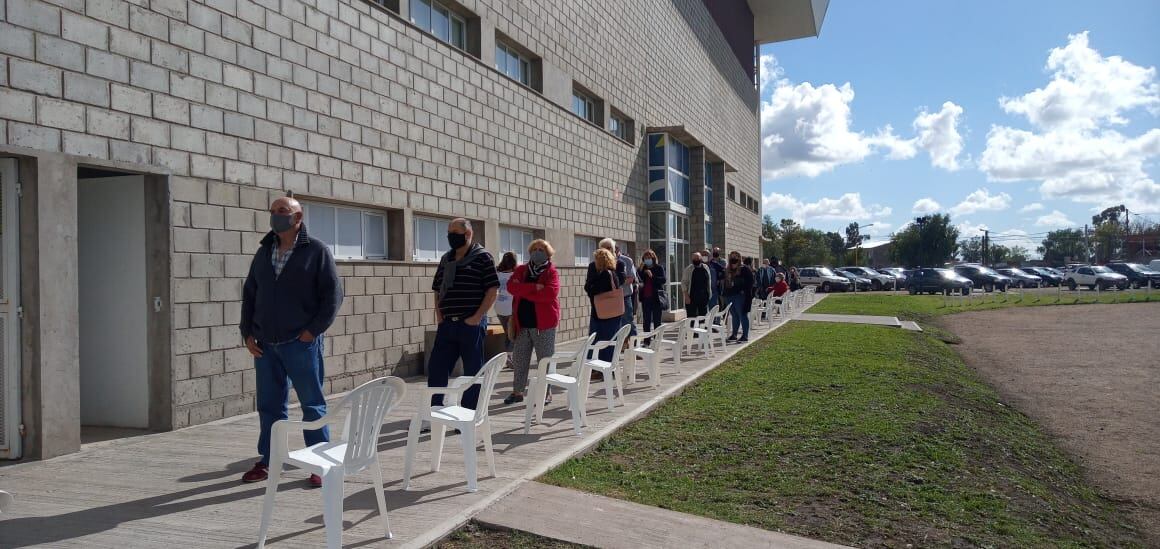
(141,142)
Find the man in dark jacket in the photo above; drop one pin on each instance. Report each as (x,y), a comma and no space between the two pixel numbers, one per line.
(290,298)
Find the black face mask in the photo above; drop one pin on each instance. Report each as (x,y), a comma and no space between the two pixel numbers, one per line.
(716,255)
(734,260)
(456,240)
(696,262)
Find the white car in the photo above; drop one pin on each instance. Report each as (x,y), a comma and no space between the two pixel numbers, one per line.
(1095,276)
(822,277)
(878,281)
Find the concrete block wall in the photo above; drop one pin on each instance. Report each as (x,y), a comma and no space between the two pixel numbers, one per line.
(339,100)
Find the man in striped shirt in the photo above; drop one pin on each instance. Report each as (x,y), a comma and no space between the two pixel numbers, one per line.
(466,285)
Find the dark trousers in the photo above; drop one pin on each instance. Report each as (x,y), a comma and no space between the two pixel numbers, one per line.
(695,309)
(629,315)
(605,330)
(651,315)
(456,340)
(301,364)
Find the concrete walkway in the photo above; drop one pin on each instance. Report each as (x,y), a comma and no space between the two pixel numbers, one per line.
(589,519)
(872,320)
(182,488)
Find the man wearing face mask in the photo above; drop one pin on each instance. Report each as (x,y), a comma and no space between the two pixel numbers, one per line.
(466,285)
(697,284)
(290,298)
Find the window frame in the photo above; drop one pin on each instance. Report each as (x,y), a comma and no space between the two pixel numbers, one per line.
(526,237)
(589,103)
(620,126)
(441,245)
(582,259)
(512,54)
(364,213)
(456,40)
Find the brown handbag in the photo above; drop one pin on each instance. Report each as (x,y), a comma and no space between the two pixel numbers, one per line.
(609,304)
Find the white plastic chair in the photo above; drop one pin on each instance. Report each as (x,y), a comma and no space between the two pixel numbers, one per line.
(609,369)
(677,345)
(472,424)
(757,310)
(698,332)
(356,451)
(719,328)
(574,382)
(647,347)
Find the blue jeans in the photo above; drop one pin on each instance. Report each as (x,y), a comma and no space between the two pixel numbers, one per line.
(301,364)
(629,313)
(605,330)
(455,340)
(740,317)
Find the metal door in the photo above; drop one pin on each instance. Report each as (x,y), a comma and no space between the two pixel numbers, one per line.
(9,311)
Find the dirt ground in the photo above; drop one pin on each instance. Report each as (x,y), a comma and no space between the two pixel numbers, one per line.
(1090,374)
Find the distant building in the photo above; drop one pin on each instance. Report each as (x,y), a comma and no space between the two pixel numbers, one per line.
(875,254)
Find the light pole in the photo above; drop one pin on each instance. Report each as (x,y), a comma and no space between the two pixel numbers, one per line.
(858,250)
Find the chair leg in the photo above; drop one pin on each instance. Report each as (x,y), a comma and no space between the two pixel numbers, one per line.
(531,403)
(438,433)
(332,485)
(540,396)
(485,432)
(608,396)
(377,476)
(467,440)
(619,385)
(412,444)
(275,471)
(574,406)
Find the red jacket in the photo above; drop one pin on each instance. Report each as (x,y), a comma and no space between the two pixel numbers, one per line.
(779,289)
(547,300)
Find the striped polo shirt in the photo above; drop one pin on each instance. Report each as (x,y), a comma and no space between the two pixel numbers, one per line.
(471,282)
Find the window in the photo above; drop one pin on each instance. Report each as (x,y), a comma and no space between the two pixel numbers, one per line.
(731,192)
(392,5)
(516,239)
(350,233)
(708,234)
(513,64)
(436,19)
(585,107)
(583,249)
(668,172)
(620,126)
(430,238)
(708,192)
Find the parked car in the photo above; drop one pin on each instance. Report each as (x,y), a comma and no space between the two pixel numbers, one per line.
(944,281)
(1154,265)
(1138,275)
(1096,276)
(985,277)
(1023,279)
(878,281)
(898,273)
(823,278)
(1050,276)
(859,283)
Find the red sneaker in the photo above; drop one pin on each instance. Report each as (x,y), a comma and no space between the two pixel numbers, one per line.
(259,473)
(315,481)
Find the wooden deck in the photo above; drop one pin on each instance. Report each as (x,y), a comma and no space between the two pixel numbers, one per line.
(182,488)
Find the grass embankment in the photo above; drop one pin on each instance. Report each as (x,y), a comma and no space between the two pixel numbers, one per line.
(854,434)
(923,308)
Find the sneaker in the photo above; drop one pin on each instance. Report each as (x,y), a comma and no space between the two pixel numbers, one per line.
(743,340)
(315,481)
(513,399)
(260,472)
(731,339)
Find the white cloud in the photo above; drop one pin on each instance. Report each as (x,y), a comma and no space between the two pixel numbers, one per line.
(1017,237)
(925,206)
(1032,207)
(846,207)
(1056,219)
(970,230)
(806,129)
(938,134)
(1074,152)
(982,200)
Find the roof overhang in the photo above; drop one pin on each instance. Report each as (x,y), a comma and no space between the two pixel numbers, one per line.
(682,134)
(781,20)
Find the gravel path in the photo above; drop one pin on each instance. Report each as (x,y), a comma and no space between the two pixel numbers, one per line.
(1090,374)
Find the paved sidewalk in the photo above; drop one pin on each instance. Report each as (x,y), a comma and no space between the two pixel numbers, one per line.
(182,488)
(590,519)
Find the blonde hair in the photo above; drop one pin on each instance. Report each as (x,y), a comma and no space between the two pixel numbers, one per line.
(604,260)
(541,242)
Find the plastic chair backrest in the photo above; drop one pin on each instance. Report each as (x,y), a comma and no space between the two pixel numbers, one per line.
(487,378)
(581,356)
(658,336)
(369,403)
(621,335)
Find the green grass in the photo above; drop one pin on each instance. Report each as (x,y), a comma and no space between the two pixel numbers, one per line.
(923,308)
(854,434)
(474,536)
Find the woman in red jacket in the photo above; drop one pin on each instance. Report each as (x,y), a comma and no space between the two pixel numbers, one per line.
(535,289)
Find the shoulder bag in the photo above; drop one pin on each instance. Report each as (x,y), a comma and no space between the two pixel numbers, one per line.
(609,304)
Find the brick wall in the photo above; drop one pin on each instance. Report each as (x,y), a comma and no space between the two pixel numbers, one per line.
(339,100)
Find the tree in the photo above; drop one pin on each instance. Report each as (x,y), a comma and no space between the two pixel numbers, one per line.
(837,247)
(1064,245)
(1017,256)
(929,241)
(793,241)
(853,235)
(769,246)
(971,249)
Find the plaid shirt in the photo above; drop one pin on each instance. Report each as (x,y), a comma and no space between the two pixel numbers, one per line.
(278,260)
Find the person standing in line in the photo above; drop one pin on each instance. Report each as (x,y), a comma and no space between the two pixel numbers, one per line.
(466,285)
(738,282)
(717,266)
(603,276)
(698,287)
(795,284)
(629,288)
(654,298)
(765,278)
(535,288)
(503,300)
(290,298)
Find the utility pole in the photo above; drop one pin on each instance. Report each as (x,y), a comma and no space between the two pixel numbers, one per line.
(986,238)
(1087,246)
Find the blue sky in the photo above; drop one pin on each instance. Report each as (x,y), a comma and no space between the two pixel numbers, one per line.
(1021,117)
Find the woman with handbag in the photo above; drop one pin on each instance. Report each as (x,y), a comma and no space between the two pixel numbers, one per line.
(535,289)
(603,288)
(653,297)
